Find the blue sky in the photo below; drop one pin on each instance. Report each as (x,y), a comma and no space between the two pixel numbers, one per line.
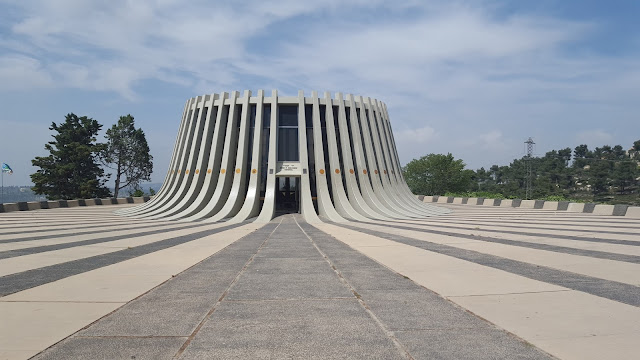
(474,78)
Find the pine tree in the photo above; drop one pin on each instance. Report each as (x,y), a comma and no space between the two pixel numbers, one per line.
(127,152)
(71,171)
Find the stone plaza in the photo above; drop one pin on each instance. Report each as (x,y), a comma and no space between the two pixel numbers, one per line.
(482,282)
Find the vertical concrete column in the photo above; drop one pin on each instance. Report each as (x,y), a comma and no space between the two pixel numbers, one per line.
(268,207)
(325,206)
(225,178)
(356,198)
(251,206)
(335,171)
(306,203)
(239,185)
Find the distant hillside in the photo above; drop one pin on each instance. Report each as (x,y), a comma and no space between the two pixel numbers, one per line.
(12,194)
(144,187)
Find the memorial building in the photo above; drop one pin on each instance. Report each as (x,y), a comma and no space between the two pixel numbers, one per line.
(253,156)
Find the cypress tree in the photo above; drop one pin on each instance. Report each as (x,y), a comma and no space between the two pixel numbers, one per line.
(71,170)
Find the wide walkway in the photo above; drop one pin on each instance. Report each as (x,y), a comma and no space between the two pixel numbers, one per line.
(481,283)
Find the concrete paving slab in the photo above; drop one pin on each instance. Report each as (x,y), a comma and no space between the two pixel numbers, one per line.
(175,314)
(457,343)
(115,348)
(555,321)
(30,327)
(310,329)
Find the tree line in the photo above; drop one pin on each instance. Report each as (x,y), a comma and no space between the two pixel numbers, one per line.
(74,167)
(605,174)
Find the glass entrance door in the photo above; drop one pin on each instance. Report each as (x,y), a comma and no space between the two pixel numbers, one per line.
(287,195)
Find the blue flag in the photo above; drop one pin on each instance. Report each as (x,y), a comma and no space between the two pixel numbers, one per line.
(7,169)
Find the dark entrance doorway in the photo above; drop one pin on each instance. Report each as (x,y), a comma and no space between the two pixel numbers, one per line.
(287,195)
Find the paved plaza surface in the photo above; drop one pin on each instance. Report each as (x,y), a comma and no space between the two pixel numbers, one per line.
(479,283)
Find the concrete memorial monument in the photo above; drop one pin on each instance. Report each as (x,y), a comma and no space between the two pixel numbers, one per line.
(252,156)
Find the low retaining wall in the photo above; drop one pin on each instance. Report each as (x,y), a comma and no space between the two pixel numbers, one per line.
(590,208)
(54,204)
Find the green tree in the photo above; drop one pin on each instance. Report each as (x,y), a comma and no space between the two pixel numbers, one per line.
(635,150)
(436,174)
(71,171)
(598,175)
(127,152)
(624,175)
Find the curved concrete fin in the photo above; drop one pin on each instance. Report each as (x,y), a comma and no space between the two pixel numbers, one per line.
(164,186)
(269,204)
(361,163)
(335,169)
(373,159)
(211,169)
(325,206)
(251,206)
(178,171)
(225,176)
(189,173)
(200,165)
(239,185)
(356,198)
(384,161)
(306,202)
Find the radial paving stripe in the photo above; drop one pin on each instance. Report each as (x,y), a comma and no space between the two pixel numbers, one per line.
(42,259)
(59,311)
(585,242)
(554,318)
(34,228)
(566,240)
(600,268)
(625,293)
(608,251)
(627,239)
(38,246)
(17,282)
(50,234)
(8,249)
(510,224)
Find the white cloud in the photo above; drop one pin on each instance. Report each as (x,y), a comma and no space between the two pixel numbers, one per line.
(491,140)
(416,136)
(456,66)
(19,72)
(597,137)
